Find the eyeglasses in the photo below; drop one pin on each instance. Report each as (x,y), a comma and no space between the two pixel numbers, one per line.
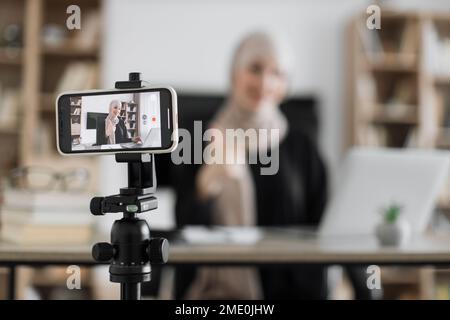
(46,179)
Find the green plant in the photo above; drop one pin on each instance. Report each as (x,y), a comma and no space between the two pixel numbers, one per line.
(391,213)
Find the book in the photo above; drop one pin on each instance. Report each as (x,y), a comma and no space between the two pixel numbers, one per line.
(78,76)
(405,92)
(437,50)
(371,42)
(411,140)
(442,292)
(366,95)
(46,217)
(9,107)
(51,200)
(75,128)
(409,38)
(40,234)
(90,31)
(446,110)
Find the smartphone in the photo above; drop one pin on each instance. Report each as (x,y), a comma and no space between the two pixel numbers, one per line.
(117,121)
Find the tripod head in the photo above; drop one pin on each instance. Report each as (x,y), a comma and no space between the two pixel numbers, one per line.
(132,250)
(137,197)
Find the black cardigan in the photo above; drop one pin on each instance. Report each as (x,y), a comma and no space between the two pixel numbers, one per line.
(121,132)
(296,195)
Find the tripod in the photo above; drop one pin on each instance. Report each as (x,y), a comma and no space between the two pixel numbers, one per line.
(132,250)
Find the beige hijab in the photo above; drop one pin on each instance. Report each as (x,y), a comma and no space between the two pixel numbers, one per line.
(231,185)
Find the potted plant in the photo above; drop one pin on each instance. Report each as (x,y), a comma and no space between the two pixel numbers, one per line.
(392,230)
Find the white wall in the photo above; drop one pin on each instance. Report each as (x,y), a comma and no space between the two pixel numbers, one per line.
(149,107)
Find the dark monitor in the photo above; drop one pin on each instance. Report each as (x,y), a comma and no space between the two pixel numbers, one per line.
(92,117)
(96,120)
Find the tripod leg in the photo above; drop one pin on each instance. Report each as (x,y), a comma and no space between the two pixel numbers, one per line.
(130,291)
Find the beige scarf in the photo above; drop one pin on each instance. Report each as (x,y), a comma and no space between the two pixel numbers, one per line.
(110,123)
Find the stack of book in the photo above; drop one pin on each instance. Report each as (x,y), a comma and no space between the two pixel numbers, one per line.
(46,217)
(78,76)
(9,107)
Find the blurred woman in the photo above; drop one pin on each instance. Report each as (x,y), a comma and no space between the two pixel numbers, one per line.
(115,128)
(240,195)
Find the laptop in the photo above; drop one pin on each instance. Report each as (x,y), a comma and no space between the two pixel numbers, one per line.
(143,144)
(372,179)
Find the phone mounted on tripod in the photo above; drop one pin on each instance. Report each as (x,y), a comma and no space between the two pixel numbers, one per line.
(132,250)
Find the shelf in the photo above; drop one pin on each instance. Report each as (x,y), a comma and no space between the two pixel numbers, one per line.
(383,117)
(392,67)
(70,51)
(8,131)
(403,276)
(439,17)
(6,59)
(393,62)
(442,80)
(384,120)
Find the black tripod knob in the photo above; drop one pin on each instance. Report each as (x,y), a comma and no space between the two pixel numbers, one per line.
(96,206)
(158,250)
(102,252)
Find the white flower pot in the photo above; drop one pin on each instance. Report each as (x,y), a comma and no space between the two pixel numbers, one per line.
(393,234)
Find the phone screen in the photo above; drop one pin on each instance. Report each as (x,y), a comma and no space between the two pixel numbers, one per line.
(115,121)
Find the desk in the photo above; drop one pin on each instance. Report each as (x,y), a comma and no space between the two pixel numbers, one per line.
(276,247)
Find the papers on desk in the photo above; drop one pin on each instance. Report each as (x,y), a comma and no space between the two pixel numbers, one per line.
(110,146)
(218,234)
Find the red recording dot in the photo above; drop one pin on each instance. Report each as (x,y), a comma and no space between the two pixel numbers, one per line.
(153,119)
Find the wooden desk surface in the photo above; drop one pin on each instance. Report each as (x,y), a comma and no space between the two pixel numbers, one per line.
(275,247)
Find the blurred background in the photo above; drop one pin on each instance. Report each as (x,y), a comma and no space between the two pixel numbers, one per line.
(354,86)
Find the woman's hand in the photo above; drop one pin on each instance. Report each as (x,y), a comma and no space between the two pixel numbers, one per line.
(213,177)
(137,140)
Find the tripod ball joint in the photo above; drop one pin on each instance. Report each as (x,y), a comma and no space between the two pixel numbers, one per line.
(103,252)
(158,250)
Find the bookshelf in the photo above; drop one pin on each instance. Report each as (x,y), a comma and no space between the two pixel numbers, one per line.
(11,80)
(131,120)
(398,95)
(75,119)
(39,58)
(54,60)
(128,113)
(399,81)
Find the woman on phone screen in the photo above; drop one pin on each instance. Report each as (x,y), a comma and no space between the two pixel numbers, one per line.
(115,128)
